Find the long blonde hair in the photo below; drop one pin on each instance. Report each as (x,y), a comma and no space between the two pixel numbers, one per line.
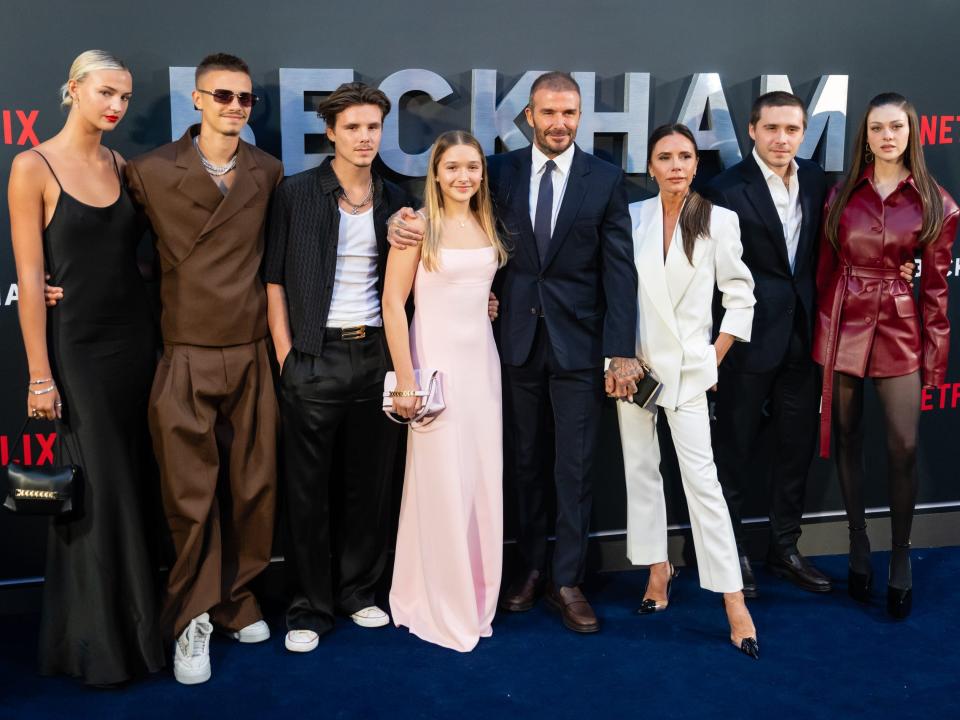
(86,63)
(480,204)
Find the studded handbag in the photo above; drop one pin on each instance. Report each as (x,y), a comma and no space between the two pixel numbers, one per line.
(40,490)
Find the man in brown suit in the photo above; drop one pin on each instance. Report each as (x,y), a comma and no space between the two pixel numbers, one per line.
(213,411)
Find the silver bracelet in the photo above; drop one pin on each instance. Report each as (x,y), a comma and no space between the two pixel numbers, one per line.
(44,391)
(41,381)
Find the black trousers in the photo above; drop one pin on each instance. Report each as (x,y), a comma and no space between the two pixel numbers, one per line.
(792,391)
(576,399)
(338,450)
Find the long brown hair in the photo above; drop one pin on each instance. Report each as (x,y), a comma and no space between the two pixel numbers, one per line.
(930,197)
(480,203)
(694,220)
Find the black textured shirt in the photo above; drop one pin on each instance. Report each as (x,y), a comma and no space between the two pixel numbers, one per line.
(302,237)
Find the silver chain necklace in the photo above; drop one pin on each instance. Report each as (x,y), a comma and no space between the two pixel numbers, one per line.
(366,199)
(215,170)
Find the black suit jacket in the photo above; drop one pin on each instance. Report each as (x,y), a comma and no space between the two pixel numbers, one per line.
(586,288)
(743,189)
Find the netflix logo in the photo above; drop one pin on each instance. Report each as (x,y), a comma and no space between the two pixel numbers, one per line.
(36,449)
(18,125)
(942,397)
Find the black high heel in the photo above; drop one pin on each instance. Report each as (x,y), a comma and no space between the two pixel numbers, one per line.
(899,600)
(649,606)
(858,583)
(748,645)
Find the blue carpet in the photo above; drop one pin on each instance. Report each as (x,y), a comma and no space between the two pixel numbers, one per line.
(821,657)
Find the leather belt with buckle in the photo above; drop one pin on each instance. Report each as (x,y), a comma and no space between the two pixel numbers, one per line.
(354,332)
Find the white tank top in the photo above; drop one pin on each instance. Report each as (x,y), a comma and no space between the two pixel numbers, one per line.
(355,297)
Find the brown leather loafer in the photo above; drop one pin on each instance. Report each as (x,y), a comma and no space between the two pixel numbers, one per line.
(575,611)
(522,593)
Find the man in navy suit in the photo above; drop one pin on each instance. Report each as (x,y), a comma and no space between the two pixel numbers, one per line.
(567,300)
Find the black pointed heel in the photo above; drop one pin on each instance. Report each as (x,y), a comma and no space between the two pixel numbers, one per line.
(899,602)
(650,606)
(750,646)
(859,584)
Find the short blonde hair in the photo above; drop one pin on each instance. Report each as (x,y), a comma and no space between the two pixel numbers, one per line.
(86,63)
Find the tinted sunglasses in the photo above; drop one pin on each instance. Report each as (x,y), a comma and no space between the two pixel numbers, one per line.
(225,97)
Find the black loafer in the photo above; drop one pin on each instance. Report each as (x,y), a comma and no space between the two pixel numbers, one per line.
(800,571)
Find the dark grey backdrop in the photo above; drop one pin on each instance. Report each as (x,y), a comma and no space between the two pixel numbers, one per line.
(883,46)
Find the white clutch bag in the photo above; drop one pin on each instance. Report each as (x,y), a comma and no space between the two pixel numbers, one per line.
(430,392)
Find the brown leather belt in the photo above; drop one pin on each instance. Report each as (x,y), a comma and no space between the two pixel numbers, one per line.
(839,294)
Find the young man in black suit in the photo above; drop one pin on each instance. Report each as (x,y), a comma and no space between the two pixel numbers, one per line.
(567,300)
(325,263)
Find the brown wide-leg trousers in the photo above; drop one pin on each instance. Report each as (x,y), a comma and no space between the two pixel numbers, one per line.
(209,403)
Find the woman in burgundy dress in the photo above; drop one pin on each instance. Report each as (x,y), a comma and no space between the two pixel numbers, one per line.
(888,211)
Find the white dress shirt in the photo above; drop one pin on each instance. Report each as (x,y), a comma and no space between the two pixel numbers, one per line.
(561,173)
(355,298)
(786,198)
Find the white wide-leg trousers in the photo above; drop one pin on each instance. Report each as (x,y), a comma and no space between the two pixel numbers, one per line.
(716,548)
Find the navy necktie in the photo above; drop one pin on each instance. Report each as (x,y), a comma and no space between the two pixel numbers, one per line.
(544,214)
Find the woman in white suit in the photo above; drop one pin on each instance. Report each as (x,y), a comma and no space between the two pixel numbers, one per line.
(684,247)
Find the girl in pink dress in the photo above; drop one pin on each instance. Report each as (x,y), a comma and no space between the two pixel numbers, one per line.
(446,575)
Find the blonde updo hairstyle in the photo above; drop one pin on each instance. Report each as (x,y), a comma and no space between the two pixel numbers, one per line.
(86,63)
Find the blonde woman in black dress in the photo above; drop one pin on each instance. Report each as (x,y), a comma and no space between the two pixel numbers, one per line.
(91,358)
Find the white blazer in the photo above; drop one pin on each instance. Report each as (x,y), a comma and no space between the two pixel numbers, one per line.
(675,299)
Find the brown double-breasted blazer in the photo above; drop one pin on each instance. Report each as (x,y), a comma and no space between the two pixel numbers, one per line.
(210,245)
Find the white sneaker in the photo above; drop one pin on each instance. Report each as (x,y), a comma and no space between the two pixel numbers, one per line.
(253,633)
(301,641)
(370,617)
(191,652)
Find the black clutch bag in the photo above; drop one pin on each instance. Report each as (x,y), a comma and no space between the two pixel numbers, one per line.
(647,389)
(42,490)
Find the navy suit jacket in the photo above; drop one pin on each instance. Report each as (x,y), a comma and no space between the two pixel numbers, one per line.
(743,189)
(586,288)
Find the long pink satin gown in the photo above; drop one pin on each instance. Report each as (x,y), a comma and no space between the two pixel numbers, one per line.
(446,575)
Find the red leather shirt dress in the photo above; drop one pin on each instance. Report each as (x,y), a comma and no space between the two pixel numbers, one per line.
(868,323)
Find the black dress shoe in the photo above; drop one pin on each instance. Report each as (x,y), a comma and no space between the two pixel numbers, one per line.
(749,581)
(858,585)
(899,602)
(800,571)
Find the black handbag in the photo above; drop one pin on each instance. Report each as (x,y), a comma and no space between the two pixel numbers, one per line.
(647,389)
(41,490)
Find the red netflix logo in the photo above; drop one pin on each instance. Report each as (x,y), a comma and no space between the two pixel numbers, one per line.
(938,129)
(19,124)
(940,397)
(36,449)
